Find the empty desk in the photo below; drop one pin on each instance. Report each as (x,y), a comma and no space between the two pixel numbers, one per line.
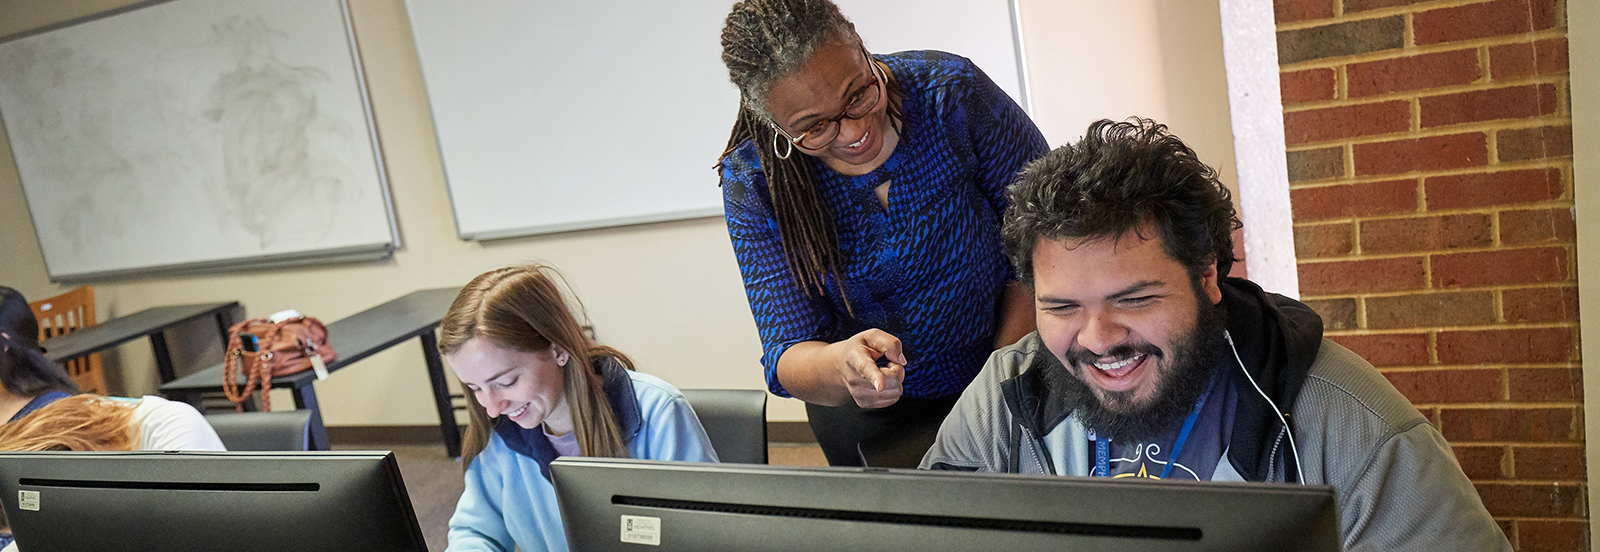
(356,337)
(148,322)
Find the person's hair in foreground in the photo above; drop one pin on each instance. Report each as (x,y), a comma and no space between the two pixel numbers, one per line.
(24,370)
(762,42)
(77,423)
(1122,177)
(521,308)
(16,316)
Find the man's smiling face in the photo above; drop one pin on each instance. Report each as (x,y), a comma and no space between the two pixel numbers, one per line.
(1125,319)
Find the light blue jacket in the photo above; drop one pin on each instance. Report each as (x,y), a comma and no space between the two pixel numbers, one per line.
(509,500)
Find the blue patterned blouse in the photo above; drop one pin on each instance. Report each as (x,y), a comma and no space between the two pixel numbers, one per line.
(930,270)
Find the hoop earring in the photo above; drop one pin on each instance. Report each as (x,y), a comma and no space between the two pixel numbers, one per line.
(786,153)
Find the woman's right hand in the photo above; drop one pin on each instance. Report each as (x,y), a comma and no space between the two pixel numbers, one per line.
(856,360)
(834,374)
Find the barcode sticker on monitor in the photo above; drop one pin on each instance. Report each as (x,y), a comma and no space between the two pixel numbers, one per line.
(28,500)
(641,530)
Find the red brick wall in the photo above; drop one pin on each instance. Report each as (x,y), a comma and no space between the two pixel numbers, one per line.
(1430,176)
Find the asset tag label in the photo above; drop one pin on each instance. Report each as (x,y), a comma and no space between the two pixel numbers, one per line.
(641,530)
(28,500)
(320,367)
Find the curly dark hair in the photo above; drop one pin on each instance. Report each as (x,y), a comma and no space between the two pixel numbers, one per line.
(1122,177)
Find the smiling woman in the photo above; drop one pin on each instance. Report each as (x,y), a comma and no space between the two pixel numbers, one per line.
(863,195)
(536,389)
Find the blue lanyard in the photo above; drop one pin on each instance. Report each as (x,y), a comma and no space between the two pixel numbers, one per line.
(1102,447)
(1102,456)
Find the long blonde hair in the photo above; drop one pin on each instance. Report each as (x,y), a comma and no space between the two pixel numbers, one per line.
(521,308)
(76,423)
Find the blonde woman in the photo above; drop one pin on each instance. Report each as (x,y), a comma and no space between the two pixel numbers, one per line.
(536,389)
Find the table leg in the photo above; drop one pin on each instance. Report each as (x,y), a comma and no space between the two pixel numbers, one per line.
(158,341)
(306,397)
(441,395)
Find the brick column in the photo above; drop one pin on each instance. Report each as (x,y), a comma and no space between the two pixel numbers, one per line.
(1430,177)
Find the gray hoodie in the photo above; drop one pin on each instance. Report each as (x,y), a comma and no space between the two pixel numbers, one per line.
(1398,485)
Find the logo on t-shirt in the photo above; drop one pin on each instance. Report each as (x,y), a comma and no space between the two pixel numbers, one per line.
(1145,464)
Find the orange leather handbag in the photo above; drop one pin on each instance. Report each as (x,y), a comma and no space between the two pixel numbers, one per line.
(265,349)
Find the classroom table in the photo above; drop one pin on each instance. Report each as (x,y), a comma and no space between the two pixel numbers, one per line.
(149,322)
(414,315)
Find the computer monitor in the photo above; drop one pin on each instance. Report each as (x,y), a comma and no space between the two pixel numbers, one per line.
(643,505)
(207,501)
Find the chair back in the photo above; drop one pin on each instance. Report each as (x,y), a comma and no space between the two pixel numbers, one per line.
(67,313)
(287,430)
(735,420)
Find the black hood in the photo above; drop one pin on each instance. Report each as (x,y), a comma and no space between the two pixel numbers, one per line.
(1276,337)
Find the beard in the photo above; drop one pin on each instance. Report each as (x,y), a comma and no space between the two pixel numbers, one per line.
(1183,375)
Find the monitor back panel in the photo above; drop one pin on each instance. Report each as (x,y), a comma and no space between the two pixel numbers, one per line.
(625,504)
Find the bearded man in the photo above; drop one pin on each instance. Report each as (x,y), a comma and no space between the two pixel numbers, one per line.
(1148,363)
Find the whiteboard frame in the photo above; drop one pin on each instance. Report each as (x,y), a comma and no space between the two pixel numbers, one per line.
(363,253)
(685,214)
(1026,99)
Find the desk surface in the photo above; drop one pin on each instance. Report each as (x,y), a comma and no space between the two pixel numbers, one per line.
(355,337)
(122,329)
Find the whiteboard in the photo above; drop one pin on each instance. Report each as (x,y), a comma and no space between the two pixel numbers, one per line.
(195,134)
(555,116)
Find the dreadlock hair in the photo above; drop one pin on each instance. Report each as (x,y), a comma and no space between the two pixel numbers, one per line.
(764,41)
(521,308)
(1122,177)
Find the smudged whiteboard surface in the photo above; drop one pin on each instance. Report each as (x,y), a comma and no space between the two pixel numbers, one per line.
(195,134)
(555,116)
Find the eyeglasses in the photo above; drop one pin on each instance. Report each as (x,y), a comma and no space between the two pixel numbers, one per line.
(823,131)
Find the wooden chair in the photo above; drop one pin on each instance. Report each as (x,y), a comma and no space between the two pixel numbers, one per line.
(64,314)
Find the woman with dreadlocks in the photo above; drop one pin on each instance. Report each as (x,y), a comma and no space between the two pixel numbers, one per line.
(863,195)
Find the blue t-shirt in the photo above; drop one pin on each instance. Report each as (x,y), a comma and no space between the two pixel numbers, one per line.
(1202,450)
(930,270)
(39,402)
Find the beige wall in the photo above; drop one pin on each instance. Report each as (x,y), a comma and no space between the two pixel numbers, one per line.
(1092,59)
(1583,40)
(669,294)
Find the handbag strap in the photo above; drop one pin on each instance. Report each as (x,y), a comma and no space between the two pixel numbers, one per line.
(255,375)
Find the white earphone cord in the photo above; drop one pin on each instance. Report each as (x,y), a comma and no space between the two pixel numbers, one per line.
(1299,467)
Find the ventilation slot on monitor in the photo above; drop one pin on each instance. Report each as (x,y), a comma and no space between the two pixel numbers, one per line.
(164,486)
(964,522)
